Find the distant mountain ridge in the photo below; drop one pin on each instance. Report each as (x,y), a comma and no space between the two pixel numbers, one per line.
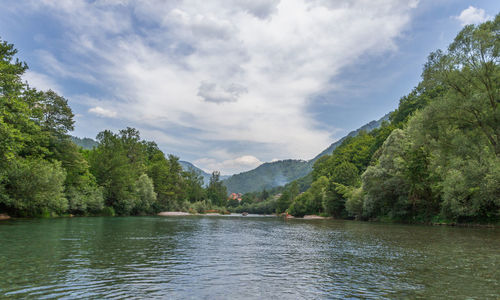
(265,176)
(187,166)
(268,175)
(367,127)
(273,174)
(89,144)
(85,143)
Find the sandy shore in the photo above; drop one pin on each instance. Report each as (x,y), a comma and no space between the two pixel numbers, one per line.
(174,213)
(314,217)
(181,213)
(4,217)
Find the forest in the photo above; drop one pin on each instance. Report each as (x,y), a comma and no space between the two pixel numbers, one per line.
(44,173)
(437,158)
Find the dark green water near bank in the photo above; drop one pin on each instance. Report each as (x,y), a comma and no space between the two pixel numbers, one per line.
(244,257)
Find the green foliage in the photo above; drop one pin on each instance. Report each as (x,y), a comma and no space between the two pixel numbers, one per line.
(267,176)
(444,163)
(85,143)
(86,199)
(262,207)
(144,194)
(43,173)
(193,186)
(354,203)
(34,187)
(298,208)
(108,212)
(216,190)
(17,128)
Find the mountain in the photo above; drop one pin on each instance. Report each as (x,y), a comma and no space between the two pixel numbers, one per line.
(85,143)
(187,166)
(267,175)
(278,173)
(367,127)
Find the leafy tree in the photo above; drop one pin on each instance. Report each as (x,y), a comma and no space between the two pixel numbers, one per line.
(345,173)
(111,166)
(385,185)
(16,125)
(216,190)
(299,208)
(145,195)
(34,187)
(193,189)
(283,202)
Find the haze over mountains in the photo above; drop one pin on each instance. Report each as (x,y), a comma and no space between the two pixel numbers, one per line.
(265,176)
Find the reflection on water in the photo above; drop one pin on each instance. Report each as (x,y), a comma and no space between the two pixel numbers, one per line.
(244,257)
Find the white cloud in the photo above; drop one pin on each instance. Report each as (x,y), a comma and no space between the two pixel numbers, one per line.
(103,112)
(233,73)
(229,166)
(210,92)
(41,81)
(473,15)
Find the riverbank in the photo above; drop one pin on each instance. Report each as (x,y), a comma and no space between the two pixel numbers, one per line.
(4,217)
(182,213)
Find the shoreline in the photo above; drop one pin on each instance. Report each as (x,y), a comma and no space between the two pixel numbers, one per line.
(4,217)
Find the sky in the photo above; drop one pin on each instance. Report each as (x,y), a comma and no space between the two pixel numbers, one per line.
(228,85)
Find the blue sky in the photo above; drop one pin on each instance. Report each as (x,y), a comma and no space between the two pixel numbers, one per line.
(228,85)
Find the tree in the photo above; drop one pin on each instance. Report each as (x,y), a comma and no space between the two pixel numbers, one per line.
(193,183)
(52,112)
(284,201)
(110,164)
(344,174)
(34,187)
(16,124)
(216,190)
(470,71)
(144,194)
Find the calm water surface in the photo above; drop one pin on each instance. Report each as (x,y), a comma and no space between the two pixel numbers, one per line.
(244,257)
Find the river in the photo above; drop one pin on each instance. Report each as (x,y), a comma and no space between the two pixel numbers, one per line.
(233,257)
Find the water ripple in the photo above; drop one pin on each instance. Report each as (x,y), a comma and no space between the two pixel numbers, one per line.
(231,257)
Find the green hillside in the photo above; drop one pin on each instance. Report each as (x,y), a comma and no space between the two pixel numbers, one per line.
(279,173)
(187,166)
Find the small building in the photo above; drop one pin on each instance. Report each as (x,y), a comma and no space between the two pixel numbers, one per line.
(235,196)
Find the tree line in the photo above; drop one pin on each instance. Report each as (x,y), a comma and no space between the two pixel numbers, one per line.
(43,173)
(438,157)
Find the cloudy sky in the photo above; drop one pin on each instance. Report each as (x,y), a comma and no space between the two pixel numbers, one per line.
(228,85)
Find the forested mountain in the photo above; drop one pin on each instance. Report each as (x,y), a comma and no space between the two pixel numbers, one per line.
(85,143)
(267,175)
(367,127)
(279,173)
(437,160)
(187,166)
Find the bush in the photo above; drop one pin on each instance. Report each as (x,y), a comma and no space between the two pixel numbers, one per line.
(108,211)
(34,187)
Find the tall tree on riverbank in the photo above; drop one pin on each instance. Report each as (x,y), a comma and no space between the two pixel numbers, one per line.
(216,190)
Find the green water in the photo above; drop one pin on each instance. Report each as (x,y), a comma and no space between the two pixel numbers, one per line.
(244,257)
